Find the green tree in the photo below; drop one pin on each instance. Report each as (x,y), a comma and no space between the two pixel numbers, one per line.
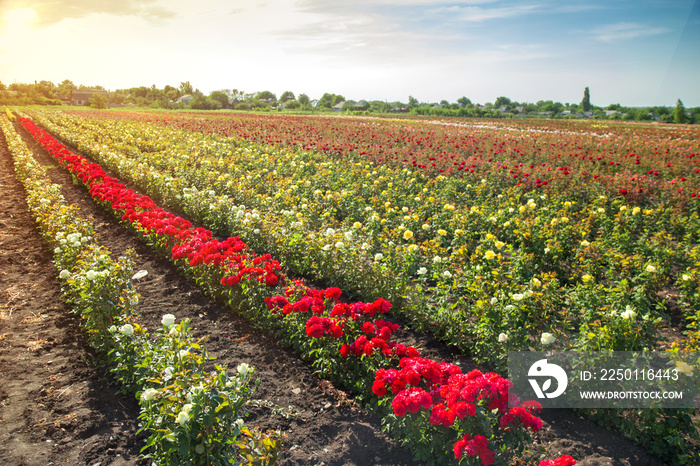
(292,104)
(304,99)
(464,101)
(679,115)
(221,97)
(186,88)
(98,101)
(266,95)
(326,100)
(117,97)
(586,102)
(171,93)
(412,102)
(502,102)
(337,98)
(200,102)
(286,96)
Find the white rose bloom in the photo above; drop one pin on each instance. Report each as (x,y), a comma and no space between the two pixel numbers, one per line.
(183,418)
(547,339)
(64,275)
(518,296)
(422,271)
(90,275)
(378,256)
(243,368)
(502,338)
(446,274)
(168,320)
(126,329)
(339,245)
(149,394)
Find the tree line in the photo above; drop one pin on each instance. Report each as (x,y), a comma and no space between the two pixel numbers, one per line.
(185,96)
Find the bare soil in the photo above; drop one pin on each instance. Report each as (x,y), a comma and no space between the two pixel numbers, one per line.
(56,407)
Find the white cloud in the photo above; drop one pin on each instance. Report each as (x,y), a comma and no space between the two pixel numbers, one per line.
(622,31)
(479,14)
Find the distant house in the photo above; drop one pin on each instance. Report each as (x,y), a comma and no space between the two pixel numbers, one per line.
(185,99)
(83,96)
(361,105)
(64,99)
(609,113)
(566,112)
(519,109)
(314,103)
(339,106)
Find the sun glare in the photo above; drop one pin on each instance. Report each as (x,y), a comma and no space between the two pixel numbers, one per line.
(20,16)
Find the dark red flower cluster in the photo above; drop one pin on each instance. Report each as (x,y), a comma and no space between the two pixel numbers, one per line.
(564,460)
(411,400)
(520,415)
(452,395)
(317,327)
(473,447)
(370,336)
(194,244)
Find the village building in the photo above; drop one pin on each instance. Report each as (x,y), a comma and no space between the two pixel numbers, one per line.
(82,96)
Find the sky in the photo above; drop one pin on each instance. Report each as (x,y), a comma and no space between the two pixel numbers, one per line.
(631,52)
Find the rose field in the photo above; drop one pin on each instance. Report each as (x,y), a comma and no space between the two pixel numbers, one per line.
(240,288)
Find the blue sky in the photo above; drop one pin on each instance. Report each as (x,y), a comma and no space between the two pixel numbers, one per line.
(642,52)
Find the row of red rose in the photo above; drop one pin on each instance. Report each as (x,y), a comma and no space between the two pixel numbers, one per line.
(418,383)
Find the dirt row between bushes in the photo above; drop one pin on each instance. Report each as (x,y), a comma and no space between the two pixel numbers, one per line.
(55,407)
